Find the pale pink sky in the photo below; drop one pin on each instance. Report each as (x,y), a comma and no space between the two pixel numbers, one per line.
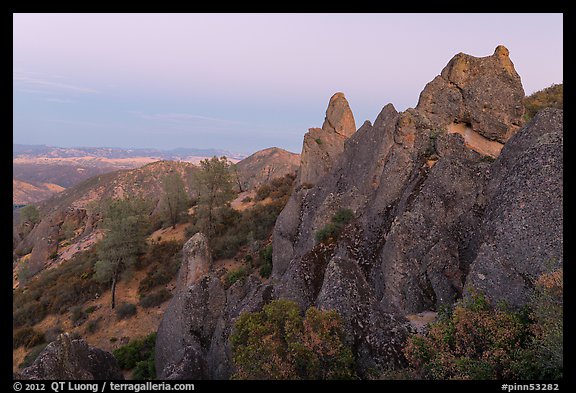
(244,81)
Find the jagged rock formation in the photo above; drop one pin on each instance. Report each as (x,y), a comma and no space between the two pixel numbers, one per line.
(192,339)
(323,146)
(448,197)
(265,165)
(69,359)
(417,182)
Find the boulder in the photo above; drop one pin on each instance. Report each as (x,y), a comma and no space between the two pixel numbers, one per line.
(186,328)
(484,93)
(70,359)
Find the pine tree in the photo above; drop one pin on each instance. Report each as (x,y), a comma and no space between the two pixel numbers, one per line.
(214,185)
(125,224)
(175,200)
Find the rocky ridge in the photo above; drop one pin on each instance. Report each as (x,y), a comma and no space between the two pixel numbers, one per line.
(437,215)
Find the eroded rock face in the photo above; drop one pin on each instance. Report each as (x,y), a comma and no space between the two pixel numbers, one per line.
(522,229)
(68,359)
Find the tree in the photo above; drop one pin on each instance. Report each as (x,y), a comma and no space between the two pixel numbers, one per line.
(214,185)
(278,343)
(125,224)
(236,176)
(175,200)
(29,213)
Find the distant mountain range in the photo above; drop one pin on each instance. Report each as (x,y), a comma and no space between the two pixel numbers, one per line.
(118,152)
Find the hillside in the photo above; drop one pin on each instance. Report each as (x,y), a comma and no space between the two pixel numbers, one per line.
(69,166)
(265,165)
(24,193)
(62,244)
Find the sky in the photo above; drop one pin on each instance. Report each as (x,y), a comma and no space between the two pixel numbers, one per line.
(244,82)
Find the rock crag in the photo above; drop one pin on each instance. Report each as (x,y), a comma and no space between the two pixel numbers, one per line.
(453,196)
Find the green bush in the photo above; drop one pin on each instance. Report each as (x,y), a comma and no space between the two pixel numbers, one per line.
(265,259)
(138,355)
(332,230)
(328,232)
(263,192)
(93,325)
(26,337)
(343,216)
(233,229)
(32,355)
(155,298)
(278,343)
(235,275)
(91,309)
(29,213)
(265,270)
(77,315)
(125,310)
(163,260)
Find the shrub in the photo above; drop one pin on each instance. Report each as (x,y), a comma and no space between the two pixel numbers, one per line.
(55,290)
(479,341)
(265,270)
(145,369)
(332,230)
(164,262)
(26,337)
(265,261)
(32,355)
(550,97)
(29,213)
(329,232)
(263,192)
(93,325)
(278,343)
(319,141)
(91,309)
(52,333)
(343,216)
(235,275)
(125,310)
(247,199)
(77,315)
(155,298)
(138,355)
